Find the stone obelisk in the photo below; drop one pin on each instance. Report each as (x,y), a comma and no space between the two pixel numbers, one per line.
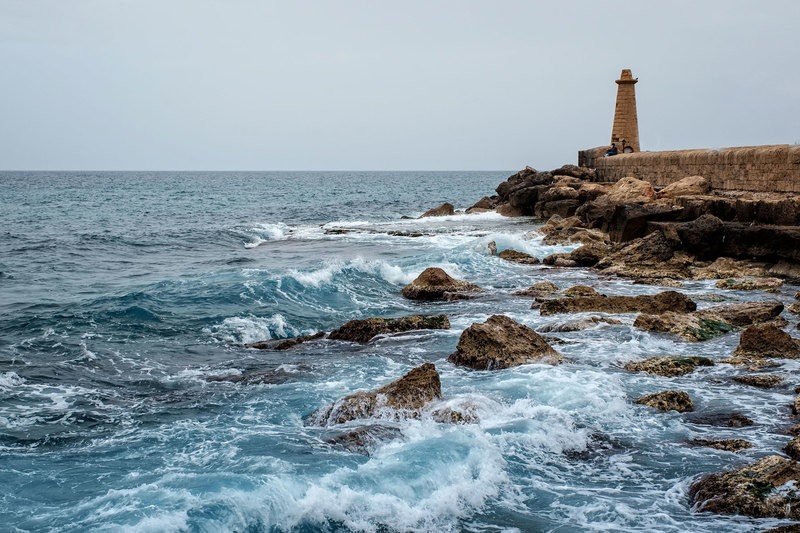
(625,133)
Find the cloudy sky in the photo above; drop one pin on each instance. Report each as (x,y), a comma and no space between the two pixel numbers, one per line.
(373,85)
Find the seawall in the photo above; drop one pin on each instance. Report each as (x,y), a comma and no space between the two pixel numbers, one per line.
(772,168)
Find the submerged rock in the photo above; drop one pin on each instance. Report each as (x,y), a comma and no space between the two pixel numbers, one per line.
(500,342)
(668,400)
(364,330)
(792,449)
(443,210)
(577,325)
(659,303)
(728,445)
(767,340)
(731,420)
(403,398)
(518,257)
(763,489)
(536,290)
(668,366)
(435,284)
(283,344)
(365,439)
(763,381)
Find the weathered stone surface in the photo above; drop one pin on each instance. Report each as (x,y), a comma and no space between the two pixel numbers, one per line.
(536,290)
(751,284)
(283,344)
(659,303)
(364,440)
(669,400)
(518,257)
(443,210)
(274,376)
(434,284)
(748,313)
(766,340)
(731,420)
(688,186)
(792,449)
(764,381)
(500,342)
(728,445)
(758,490)
(403,398)
(630,190)
(487,203)
(589,254)
(728,267)
(364,330)
(651,256)
(579,291)
(668,366)
(577,325)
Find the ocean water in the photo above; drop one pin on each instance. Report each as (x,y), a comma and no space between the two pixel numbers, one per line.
(122,293)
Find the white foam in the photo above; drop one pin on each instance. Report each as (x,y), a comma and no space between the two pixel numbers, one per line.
(325,275)
(243,330)
(9,380)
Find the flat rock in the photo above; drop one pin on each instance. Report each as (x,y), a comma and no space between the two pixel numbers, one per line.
(751,284)
(763,381)
(403,398)
(728,445)
(443,210)
(518,257)
(543,288)
(767,340)
(760,490)
(283,344)
(579,291)
(668,400)
(435,284)
(364,330)
(655,304)
(501,342)
(577,325)
(668,366)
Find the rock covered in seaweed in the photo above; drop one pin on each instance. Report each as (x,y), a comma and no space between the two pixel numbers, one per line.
(364,330)
(436,284)
(501,342)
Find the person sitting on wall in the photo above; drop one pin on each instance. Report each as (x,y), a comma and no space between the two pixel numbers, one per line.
(613,150)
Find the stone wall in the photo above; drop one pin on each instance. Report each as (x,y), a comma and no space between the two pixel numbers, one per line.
(774,168)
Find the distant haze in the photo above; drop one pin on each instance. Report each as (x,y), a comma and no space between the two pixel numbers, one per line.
(213,84)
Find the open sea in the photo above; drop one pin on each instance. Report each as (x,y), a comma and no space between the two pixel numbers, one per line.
(122,293)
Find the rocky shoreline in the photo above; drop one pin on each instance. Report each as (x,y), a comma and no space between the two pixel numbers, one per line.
(627,229)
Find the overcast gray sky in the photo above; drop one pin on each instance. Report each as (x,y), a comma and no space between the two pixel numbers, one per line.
(412,84)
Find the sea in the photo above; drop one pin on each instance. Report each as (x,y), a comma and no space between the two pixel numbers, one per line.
(125,295)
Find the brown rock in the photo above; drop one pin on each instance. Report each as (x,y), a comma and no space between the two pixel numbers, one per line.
(538,289)
(364,330)
(364,440)
(403,398)
(443,210)
(793,448)
(579,291)
(766,340)
(659,303)
(434,284)
(518,257)
(727,267)
(500,342)
(688,186)
(764,381)
(728,445)
(668,400)
(668,366)
(630,191)
(283,344)
(754,490)
(750,284)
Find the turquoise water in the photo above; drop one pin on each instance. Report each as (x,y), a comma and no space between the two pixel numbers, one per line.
(121,293)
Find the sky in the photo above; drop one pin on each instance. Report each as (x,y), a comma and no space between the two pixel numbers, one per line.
(379,85)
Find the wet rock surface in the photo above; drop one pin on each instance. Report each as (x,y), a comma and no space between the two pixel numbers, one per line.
(443,210)
(543,288)
(284,344)
(436,284)
(669,400)
(728,445)
(363,331)
(763,381)
(668,366)
(518,257)
(767,340)
(658,303)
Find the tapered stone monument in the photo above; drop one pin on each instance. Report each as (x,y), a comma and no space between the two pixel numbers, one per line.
(625,133)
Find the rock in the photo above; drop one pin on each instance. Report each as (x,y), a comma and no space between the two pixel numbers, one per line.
(727,267)
(275,376)
(668,366)
(766,340)
(486,203)
(764,381)
(589,254)
(750,284)
(283,344)
(702,234)
(364,330)
(669,400)
(577,325)
(538,289)
(458,412)
(443,210)
(794,309)
(364,440)
(796,405)
(731,420)
(760,490)
(792,528)
(518,257)
(659,303)
(434,284)
(728,445)
(508,210)
(500,342)
(574,171)
(403,398)
(793,448)
(748,313)
(492,246)
(651,256)
(630,191)
(688,186)
(579,291)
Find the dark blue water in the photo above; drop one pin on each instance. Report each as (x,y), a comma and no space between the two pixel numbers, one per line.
(121,293)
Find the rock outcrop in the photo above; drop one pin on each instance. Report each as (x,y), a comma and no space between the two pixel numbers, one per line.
(435,284)
(763,381)
(668,366)
(767,340)
(499,343)
(578,324)
(284,344)
(364,330)
(688,186)
(537,290)
(515,256)
(728,445)
(751,284)
(658,303)
(443,210)
(669,400)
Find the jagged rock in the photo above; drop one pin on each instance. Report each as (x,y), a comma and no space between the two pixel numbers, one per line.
(668,400)
(589,254)
(793,448)
(651,256)
(763,489)
(443,210)
(764,381)
(458,412)
(728,445)
(574,171)
(536,290)
(559,230)
(793,308)
(750,284)
(518,257)
(659,303)
(434,284)
(403,398)
(727,267)
(283,344)
(702,233)
(579,291)
(364,440)
(487,203)
(508,210)
(500,342)
(630,190)
(688,186)
(668,366)
(766,340)
(731,420)
(364,330)
(577,325)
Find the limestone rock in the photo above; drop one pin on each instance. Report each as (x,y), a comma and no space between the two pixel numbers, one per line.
(728,445)
(668,366)
(577,325)
(659,303)
(652,256)
(630,191)
(434,284)
(536,290)
(403,398)
(793,448)
(500,342)
(688,186)
(283,344)
(750,284)
(763,381)
(758,490)
(487,203)
(518,257)
(766,340)
(443,210)
(727,267)
(364,330)
(668,400)
(579,291)
(365,439)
